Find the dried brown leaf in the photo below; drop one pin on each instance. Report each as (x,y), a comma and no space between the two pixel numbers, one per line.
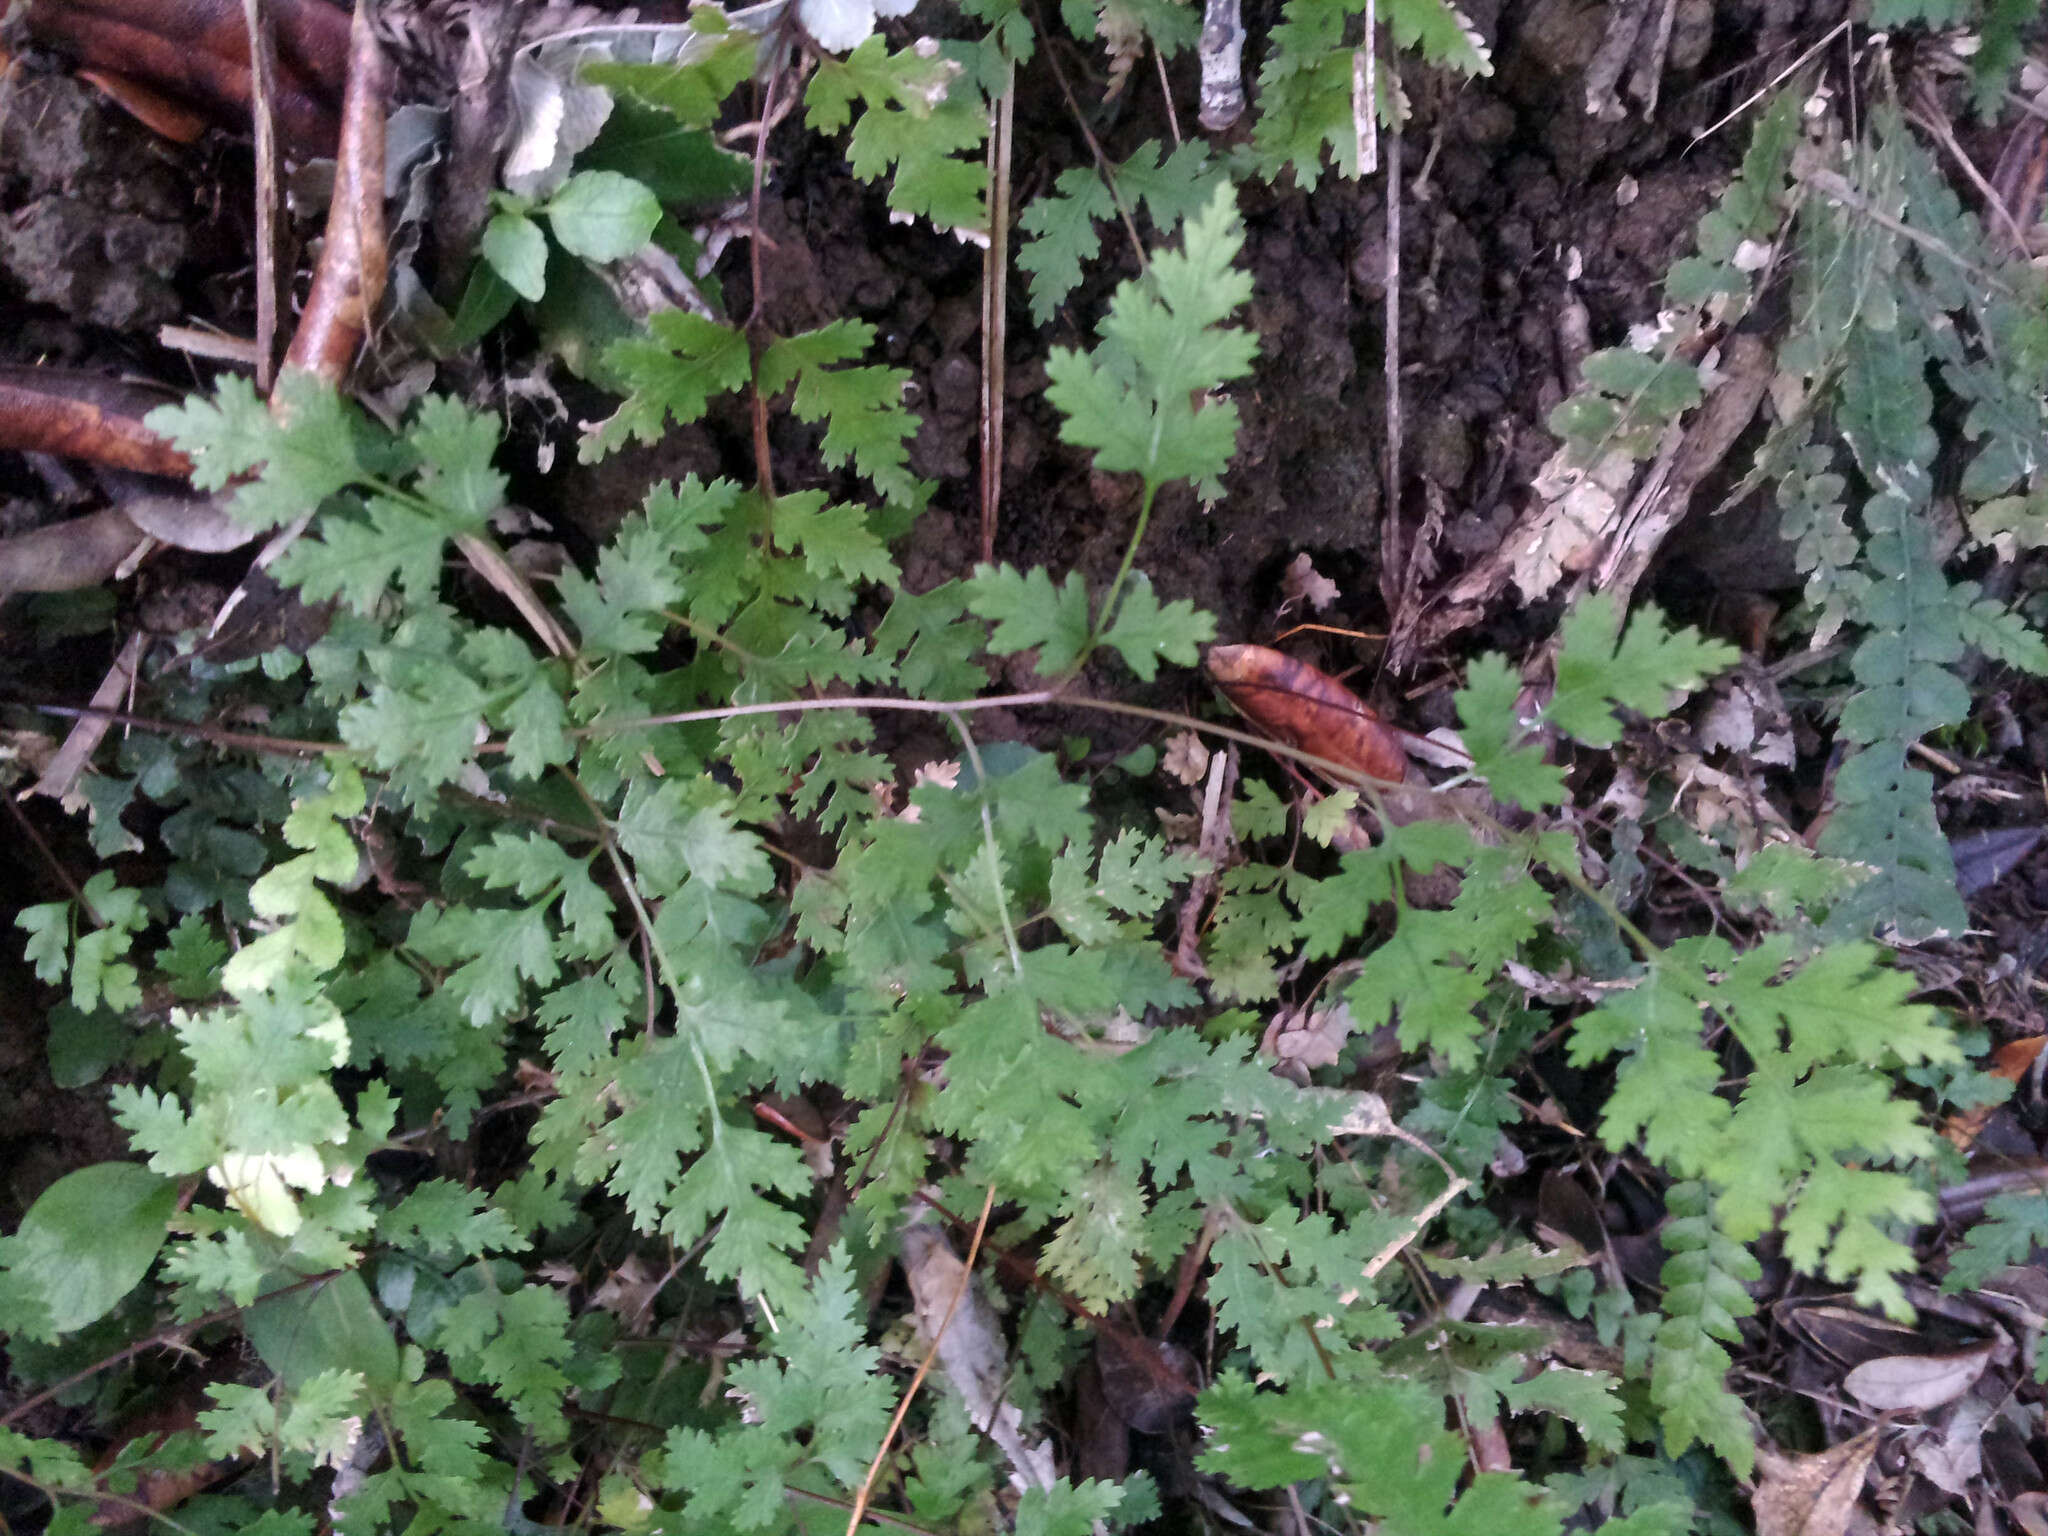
(1916,1383)
(1811,1495)
(1303,583)
(1186,759)
(972,1350)
(197,52)
(1294,703)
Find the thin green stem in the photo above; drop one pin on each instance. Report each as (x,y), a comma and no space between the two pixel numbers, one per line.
(660,952)
(708,634)
(1107,614)
(988,835)
(135,1507)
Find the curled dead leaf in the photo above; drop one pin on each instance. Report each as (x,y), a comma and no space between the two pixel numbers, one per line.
(1300,1042)
(196,53)
(1186,758)
(1302,583)
(1811,1495)
(1294,703)
(159,113)
(66,556)
(1916,1383)
(2013,1060)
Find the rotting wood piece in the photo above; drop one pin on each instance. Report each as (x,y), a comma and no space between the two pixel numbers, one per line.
(80,415)
(197,51)
(349,282)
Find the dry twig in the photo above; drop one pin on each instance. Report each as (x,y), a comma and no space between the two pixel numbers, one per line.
(262,98)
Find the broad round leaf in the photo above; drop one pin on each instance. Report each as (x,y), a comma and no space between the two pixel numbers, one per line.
(518,252)
(603,216)
(89,1238)
(332,1325)
(84,1045)
(839,25)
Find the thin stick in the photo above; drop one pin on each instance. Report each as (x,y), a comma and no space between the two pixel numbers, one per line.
(1773,83)
(251,742)
(61,775)
(764,468)
(867,1484)
(915,706)
(247,741)
(56,864)
(1938,127)
(995,310)
(262,94)
(1166,92)
(1393,575)
(1365,93)
(1102,165)
(1839,189)
(164,1338)
(1423,1218)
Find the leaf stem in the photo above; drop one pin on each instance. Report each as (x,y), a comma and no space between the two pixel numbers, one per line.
(988,835)
(661,960)
(1107,615)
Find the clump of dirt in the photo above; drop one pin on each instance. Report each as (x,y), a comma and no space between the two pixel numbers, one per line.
(98,212)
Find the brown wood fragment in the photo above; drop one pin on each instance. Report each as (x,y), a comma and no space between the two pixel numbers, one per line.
(82,416)
(197,52)
(157,112)
(349,281)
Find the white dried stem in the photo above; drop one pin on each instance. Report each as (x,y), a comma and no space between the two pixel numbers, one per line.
(1222,54)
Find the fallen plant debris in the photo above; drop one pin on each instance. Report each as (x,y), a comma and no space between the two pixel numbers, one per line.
(1308,709)
(197,52)
(81,415)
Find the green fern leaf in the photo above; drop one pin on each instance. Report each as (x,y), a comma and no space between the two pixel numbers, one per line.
(1029,611)
(1640,669)
(2013,1227)
(1441,34)
(1704,1297)
(671,373)
(1064,238)
(1144,633)
(1163,348)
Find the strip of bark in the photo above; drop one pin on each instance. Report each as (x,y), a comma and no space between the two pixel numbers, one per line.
(349,282)
(481,121)
(84,738)
(185,49)
(82,416)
